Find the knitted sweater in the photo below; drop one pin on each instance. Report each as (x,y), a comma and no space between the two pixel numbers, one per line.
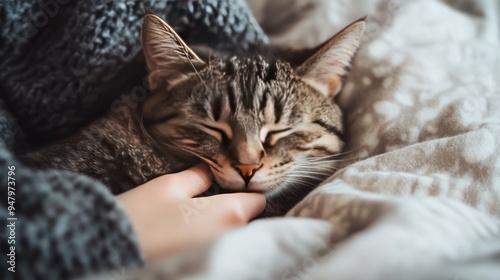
(62,64)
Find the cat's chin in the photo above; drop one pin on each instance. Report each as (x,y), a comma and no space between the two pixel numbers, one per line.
(255,186)
(231,185)
(237,186)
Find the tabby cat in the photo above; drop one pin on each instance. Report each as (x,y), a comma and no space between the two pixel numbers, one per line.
(259,124)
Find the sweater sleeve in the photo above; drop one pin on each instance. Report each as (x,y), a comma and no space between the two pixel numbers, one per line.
(61,225)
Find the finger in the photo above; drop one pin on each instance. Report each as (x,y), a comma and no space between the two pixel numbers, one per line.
(190,182)
(241,207)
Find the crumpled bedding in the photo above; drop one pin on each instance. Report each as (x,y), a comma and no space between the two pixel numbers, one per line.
(417,195)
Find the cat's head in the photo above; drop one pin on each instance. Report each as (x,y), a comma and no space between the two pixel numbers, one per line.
(258,123)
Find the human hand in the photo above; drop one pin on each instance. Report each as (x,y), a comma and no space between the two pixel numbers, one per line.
(167,218)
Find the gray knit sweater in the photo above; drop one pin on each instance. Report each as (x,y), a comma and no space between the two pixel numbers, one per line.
(62,63)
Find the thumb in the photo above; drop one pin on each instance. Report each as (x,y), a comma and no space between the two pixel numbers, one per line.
(245,206)
(190,182)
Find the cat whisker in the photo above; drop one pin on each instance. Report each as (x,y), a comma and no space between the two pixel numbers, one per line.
(349,151)
(318,171)
(195,70)
(206,160)
(295,186)
(311,173)
(305,177)
(326,160)
(315,165)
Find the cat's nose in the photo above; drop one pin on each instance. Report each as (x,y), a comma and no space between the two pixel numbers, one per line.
(247,170)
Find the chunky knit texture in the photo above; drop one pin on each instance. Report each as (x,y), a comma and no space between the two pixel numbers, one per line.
(63,63)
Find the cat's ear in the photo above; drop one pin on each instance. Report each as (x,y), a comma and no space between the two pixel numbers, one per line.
(168,58)
(325,69)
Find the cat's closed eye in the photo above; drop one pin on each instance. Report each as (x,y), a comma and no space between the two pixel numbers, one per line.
(271,137)
(221,132)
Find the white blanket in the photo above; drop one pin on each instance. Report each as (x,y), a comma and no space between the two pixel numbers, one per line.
(418,195)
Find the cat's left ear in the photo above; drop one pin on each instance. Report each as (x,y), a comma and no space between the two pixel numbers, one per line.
(325,69)
(168,58)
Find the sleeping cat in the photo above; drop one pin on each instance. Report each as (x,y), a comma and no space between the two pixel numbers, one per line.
(257,123)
